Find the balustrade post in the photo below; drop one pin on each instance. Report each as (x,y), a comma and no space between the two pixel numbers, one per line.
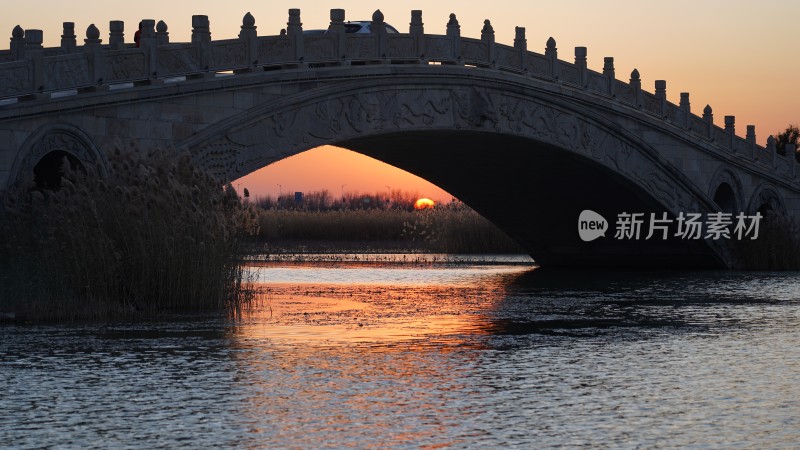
(771,150)
(610,74)
(35,52)
(94,51)
(116,35)
(751,140)
(686,107)
(162,35)
(708,116)
(417,29)
(68,40)
(580,63)
(294,29)
(336,28)
(791,153)
(521,45)
(661,96)
(378,28)
(551,53)
(18,43)
(148,43)
(730,129)
(454,32)
(636,84)
(249,37)
(487,36)
(201,38)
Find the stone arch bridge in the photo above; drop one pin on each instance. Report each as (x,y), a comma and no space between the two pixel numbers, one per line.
(527,139)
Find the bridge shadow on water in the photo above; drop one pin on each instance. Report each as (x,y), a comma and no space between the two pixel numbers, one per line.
(637,304)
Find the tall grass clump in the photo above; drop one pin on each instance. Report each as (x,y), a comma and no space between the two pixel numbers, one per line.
(776,248)
(156,234)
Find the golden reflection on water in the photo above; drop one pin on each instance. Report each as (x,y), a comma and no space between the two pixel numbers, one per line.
(349,347)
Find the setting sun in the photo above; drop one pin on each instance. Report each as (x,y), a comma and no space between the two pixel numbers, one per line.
(424,203)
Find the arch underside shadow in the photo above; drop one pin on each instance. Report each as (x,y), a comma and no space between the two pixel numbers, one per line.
(535,192)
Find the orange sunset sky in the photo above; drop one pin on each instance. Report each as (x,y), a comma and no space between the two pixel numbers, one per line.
(738,56)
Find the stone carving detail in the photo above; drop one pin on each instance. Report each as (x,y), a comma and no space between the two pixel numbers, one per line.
(125,66)
(597,83)
(229,56)
(69,71)
(279,49)
(767,195)
(474,51)
(319,48)
(538,65)
(361,47)
(508,57)
(402,47)
(176,61)
(57,140)
(651,103)
(568,73)
(15,80)
(439,47)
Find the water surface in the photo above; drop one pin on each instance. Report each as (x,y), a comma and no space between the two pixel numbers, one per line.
(473,354)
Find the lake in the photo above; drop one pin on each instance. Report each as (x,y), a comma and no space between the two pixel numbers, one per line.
(432,352)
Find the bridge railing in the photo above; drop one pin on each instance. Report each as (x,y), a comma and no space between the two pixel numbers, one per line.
(29,71)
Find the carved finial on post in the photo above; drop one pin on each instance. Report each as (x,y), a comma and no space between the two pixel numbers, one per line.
(92,36)
(487,36)
(610,74)
(636,84)
(294,29)
(521,45)
(116,34)
(68,39)
(772,150)
(249,37)
(551,52)
(453,28)
(454,32)
(18,43)
(636,79)
(162,35)
(248,28)
(708,116)
(378,28)
(417,29)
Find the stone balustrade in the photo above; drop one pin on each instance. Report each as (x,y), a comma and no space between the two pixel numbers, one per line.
(29,71)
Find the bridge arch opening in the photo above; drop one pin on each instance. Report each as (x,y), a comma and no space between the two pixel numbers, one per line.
(48,173)
(535,192)
(725,198)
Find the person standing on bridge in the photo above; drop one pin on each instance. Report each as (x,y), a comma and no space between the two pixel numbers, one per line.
(138,35)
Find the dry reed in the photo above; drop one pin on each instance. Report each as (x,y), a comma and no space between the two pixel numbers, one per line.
(157,234)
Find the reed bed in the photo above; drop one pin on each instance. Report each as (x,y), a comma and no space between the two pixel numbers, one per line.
(156,234)
(440,230)
(777,246)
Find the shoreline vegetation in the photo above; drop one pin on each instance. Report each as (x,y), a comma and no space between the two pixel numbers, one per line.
(154,236)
